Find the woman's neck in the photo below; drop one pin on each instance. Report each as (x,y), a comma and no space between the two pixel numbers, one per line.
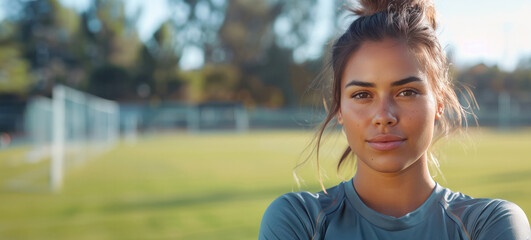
(394,194)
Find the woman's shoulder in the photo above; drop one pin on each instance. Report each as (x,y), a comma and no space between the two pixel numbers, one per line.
(483,217)
(469,207)
(298,214)
(313,201)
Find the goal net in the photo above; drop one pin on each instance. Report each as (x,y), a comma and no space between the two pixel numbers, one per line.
(69,128)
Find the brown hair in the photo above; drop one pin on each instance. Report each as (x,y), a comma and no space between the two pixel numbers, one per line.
(413,22)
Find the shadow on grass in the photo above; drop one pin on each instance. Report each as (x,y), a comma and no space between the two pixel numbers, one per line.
(195,200)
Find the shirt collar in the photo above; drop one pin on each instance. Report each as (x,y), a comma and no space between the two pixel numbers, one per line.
(389,222)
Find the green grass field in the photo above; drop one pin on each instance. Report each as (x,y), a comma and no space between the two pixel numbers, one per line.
(217,186)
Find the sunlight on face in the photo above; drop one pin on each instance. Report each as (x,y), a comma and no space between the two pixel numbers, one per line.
(387,107)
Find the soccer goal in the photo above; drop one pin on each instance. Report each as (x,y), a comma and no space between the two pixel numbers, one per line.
(69,128)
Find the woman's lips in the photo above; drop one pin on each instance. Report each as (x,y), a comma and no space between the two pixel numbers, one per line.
(386,142)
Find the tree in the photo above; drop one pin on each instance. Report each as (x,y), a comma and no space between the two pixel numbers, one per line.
(158,64)
(109,42)
(14,77)
(44,30)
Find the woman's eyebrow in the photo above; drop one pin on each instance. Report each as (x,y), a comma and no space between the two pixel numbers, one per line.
(359,83)
(406,81)
(394,84)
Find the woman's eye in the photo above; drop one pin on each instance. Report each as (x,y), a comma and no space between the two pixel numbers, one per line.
(361,95)
(407,93)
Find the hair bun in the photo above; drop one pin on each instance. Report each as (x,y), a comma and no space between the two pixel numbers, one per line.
(370,7)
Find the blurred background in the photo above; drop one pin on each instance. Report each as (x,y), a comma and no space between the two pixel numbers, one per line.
(183,119)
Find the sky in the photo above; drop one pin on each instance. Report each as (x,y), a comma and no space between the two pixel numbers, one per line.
(494,32)
(489,31)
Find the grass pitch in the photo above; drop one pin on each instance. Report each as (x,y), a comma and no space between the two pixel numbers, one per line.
(217,186)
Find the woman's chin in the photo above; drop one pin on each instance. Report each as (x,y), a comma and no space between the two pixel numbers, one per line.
(388,164)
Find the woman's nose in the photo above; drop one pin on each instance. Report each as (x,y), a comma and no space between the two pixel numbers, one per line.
(385,114)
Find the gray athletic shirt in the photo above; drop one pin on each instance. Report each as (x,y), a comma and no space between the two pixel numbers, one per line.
(342,215)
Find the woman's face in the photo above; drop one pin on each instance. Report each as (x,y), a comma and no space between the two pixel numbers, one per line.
(387,107)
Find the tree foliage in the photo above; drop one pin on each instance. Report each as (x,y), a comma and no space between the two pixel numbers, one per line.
(248,48)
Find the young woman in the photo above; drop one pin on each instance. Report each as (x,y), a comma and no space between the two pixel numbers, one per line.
(393,98)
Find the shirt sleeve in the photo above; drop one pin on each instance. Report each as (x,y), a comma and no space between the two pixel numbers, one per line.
(503,221)
(290,216)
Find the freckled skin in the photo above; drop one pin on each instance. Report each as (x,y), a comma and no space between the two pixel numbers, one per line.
(407,110)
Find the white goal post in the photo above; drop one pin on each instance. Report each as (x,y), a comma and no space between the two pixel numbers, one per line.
(76,126)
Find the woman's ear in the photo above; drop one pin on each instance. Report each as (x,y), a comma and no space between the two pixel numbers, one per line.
(339,117)
(439,112)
